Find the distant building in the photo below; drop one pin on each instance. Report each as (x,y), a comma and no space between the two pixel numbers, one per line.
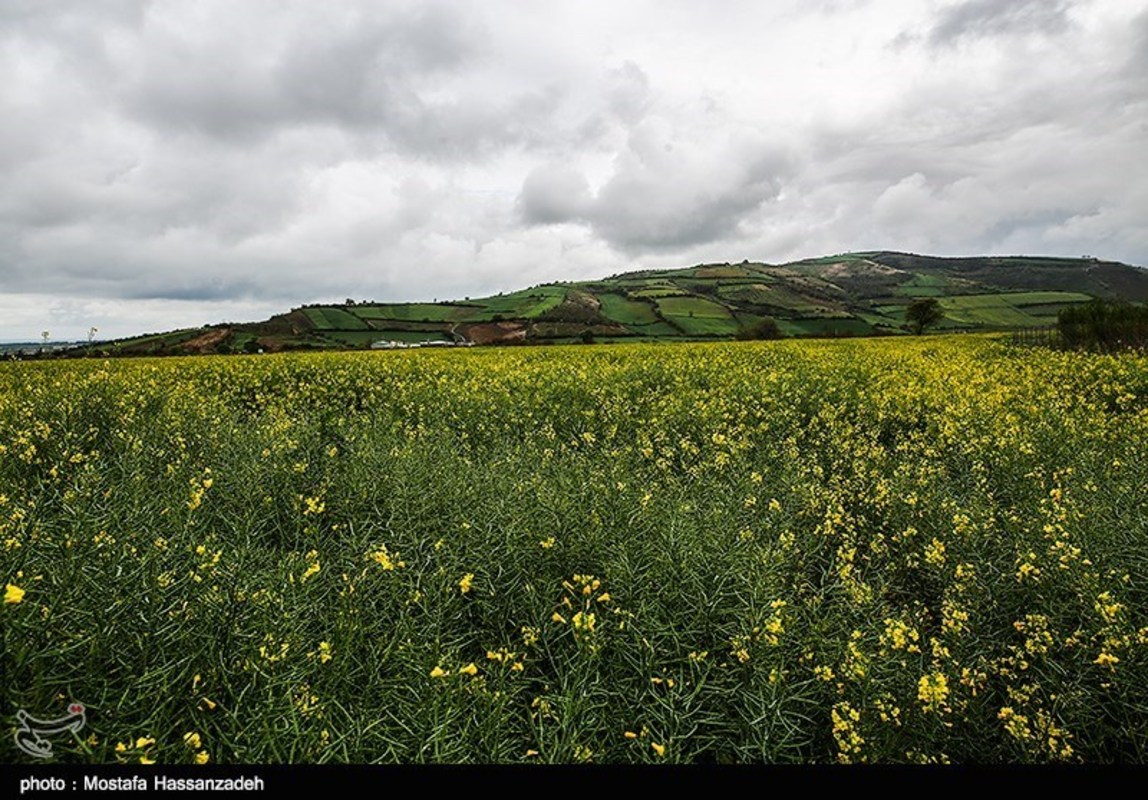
(387,344)
(390,344)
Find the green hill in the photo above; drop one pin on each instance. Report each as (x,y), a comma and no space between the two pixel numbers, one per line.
(853,294)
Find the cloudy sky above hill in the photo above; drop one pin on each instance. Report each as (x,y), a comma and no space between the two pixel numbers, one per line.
(180,162)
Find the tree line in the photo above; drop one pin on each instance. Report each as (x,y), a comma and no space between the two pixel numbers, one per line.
(1104,326)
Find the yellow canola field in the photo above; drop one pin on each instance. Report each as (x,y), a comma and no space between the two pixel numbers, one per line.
(923,550)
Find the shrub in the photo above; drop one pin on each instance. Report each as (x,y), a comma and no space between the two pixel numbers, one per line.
(764,329)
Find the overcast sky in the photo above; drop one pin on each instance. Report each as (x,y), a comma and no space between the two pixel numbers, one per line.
(181,162)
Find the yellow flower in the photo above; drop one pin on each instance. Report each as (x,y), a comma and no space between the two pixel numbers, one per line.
(630,735)
(1106,660)
(192,740)
(383,558)
(604,597)
(1016,724)
(438,672)
(13,594)
(932,691)
(310,571)
(146,760)
(469,669)
(584,622)
(324,652)
(121,747)
(202,758)
(143,742)
(547,543)
(466,583)
(561,620)
(935,553)
(823,672)
(901,636)
(1108,608)
(659,749)
(1028,570)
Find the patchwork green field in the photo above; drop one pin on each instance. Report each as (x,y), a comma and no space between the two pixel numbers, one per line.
(881,550)
(851,294)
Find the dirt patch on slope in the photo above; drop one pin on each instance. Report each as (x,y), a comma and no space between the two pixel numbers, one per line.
(858,269)
(206,342)
(493,332)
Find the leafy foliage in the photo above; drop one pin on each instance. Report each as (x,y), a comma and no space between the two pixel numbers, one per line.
(1105,326)
(923,314)
(763,329)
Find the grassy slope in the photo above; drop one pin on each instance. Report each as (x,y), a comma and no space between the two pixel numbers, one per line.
(850,294)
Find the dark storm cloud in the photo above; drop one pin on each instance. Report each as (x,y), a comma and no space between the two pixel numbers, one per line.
(973,19)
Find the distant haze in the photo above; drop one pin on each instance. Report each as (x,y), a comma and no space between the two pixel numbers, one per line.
(165,164)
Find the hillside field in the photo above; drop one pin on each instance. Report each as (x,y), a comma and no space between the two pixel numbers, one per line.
(847,295)
(885,550)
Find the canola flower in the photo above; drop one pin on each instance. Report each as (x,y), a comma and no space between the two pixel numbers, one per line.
(584,622)
(384,559)
(141,747)
(933,691)
(313,566)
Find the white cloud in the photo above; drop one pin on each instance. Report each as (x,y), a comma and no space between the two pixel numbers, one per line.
(169,163)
